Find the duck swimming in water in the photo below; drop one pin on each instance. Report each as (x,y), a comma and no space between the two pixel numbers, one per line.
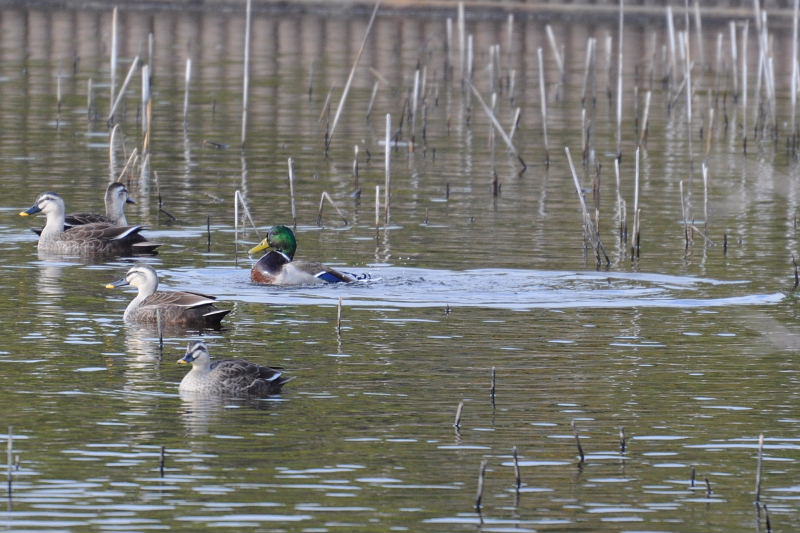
(230,377)
(171,308)
(277,266)
(96,238)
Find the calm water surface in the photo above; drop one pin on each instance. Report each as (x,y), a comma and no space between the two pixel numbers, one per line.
(692,351)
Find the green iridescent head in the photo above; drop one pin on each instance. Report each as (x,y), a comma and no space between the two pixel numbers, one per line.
(279,238)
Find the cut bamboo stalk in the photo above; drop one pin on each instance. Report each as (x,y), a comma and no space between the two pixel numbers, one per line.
(246,69)
(349,82)
(339,317)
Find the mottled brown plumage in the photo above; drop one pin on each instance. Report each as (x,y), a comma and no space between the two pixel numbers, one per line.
(171,308)
(88,239)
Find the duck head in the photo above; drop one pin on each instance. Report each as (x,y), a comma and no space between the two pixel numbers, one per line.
(196,353)
(47,202)
(141,276)
(279,238)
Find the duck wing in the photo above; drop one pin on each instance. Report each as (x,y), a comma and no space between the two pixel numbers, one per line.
(188,300)
(238,376)
(79,219)
(321,271)
(99,232)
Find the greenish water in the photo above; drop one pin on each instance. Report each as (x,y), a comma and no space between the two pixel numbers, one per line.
(692,351)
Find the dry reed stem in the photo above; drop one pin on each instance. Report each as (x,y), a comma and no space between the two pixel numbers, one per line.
(121,93)
(246,69)
(325,196)
(351,75)
(290,164)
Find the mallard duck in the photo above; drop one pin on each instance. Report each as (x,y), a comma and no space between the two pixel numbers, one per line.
(277,266)
(235,377)
(172,308)
(94,238)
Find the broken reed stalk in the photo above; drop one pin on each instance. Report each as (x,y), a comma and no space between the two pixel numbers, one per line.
(121,93)
(708,488)
(759,462)
(355,169)
(588,230)
(162,460)
(643,130)
(622,215)
(187,81)
(578,443)
(496,124)
(239,197)
(246,68)
(479,495)
(128,164)
(114,51)
(462,36)
(377,207)
(543,95)
(517,474)
(692,476)
(684,216)
(208,232)
(372,98)
(556,54)
(159,326)
(793,83)
(387,195)
(339,317)
(514,124)
(325,196)
(10,458)
(459,410)
(623,441)
(494,384)
(291,192)
(636,214)
(796,273)
(112,160)
(349,82)
(619,79)
(705,196)
(145,99)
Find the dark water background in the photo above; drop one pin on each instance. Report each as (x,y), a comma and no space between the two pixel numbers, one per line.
(691,350)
